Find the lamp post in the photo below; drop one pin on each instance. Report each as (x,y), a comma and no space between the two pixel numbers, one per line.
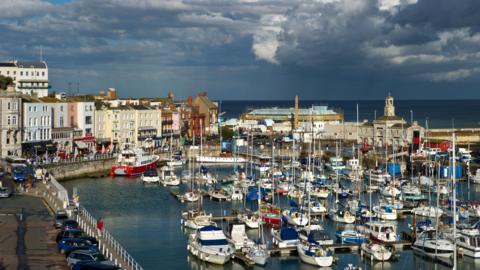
(411,116)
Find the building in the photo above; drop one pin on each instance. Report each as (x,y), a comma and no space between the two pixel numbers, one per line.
(209,110)
(296,117)
(81,117)
(30,78)
(389,129)
(138,124)
(37,128)
(62,131)
(10,122)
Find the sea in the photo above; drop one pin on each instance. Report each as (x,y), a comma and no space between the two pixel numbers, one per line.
(146,218)
(428,113)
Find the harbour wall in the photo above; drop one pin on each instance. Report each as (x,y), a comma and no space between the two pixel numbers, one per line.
(81,168)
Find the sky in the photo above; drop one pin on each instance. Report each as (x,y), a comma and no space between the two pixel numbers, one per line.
(252,49)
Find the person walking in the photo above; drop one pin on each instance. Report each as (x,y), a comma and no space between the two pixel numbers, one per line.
(100,226)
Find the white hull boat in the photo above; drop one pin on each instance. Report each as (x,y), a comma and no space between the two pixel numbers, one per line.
(314,255)
(376,252)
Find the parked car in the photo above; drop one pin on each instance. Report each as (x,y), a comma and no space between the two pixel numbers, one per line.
(86,265)
(70,224)
(19,172)
(67,245)
(60,216)
(86,256)
(5,192)
(74,234)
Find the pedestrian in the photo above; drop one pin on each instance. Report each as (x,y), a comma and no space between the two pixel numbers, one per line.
(100,226)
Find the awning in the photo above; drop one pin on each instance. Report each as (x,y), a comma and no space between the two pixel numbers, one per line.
(81,144)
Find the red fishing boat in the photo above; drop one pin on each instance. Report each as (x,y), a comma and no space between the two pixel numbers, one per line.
(133,161)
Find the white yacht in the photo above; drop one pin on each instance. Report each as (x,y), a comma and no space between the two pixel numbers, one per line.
(168,177)
(250,219)
(314,254)
(295,218)
(190,196)
(469,241)
(476,177)
(376,252)
(224,160)
(390,191)
(209,244)
(238,237)
(428,211)
(385,212)
(378,177)
(196,219)
(433,245)
(336,163)
(341,216)
(285,237)
(150,176)
(380,231)
(257,253)
(218,194)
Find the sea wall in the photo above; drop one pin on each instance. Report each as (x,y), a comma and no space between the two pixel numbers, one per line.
(464,135)
(79,169)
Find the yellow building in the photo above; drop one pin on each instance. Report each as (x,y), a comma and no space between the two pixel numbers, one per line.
(137,124)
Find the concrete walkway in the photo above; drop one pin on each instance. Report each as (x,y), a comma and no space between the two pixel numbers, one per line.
(27,235)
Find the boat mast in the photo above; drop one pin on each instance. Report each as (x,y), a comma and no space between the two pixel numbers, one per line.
(454,204)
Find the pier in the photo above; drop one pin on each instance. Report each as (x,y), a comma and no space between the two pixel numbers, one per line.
(56,196)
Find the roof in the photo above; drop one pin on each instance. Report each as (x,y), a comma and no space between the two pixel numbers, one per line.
(32,64)
(314,110)
(401,126)
(389,118)
(206,101)
(7,64)
(50,99)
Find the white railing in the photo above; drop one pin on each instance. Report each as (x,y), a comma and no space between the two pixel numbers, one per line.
(61,192)
(107,244)
(77,159)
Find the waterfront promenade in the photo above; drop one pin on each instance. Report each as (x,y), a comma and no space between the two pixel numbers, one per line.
(27,236)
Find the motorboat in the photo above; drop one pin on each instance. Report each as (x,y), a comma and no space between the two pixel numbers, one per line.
(150,176)
(295,218)
(380,231)
(224,160)
(209,244)
(250,220)
(238,237)
(425,181)
(441,190)
(341,216)
(189,196)
(257,253)
(321,192)
(236,194)
(476,178)
(196,219)
(411,190)
(133,160)
(336,164)
(469,241)
(168,176)
(385,212)
(314,254)
(317,208)
(390,191)
(378,177)
(351,237)
(377,252)
(176,161)
(285,237)
(218,194)
(315,234)
(433,244)
(428,211)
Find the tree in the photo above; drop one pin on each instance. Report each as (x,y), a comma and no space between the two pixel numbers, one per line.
(227,133)
(5,81)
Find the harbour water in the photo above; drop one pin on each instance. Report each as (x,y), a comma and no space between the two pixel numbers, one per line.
(440,113)
(146,220)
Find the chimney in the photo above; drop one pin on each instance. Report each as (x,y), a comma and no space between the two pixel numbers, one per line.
(295,117)
(189,101)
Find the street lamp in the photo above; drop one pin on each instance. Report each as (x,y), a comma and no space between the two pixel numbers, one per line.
(411,116)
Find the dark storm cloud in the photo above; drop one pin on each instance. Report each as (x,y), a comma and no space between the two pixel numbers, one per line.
(251,49)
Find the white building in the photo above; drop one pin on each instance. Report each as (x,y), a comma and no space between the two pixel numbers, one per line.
(30,78)
(10,123)
(86,117)
(37,128)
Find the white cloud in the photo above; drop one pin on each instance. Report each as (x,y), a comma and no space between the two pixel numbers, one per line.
(265,40)
(454,75)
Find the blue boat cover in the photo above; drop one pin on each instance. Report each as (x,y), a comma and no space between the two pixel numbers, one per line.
(209,228)
(288,234)
(293,204)
(215,242)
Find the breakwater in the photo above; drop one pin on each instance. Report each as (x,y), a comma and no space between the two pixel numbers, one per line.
(81,168)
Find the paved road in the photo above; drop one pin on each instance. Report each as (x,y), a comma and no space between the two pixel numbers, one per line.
(27,236)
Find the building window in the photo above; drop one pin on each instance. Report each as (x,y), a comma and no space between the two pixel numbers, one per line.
(88,120)
(21,73)
(14,120)
(8,139)
(61,108)
(8,120)
(61,121)
(8,105)
(15,105)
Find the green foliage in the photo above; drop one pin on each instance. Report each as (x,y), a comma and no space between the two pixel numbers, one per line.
(227,133)
(4,82)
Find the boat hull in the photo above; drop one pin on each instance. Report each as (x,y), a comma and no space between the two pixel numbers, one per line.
(121,170)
